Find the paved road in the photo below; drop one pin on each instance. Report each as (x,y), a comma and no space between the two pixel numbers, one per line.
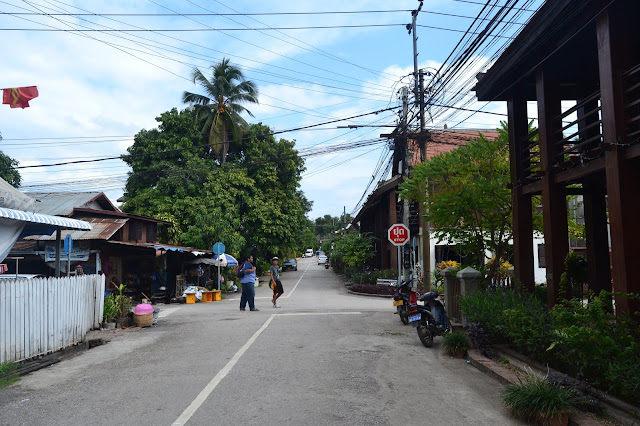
(326,357)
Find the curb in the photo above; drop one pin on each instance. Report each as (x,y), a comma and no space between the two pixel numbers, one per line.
(491,368)
(369,294)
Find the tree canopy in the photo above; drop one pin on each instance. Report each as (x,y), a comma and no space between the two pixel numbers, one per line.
(252,200)
(8,170)
(466,196)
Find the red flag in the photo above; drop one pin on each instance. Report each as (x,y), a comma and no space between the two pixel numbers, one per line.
(19,97)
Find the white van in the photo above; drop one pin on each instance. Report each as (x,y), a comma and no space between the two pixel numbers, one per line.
(308,253)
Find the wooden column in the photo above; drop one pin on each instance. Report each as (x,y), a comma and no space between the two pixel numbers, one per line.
(595,210)
(522,219)
(623,178)
(597,235)
(554,202)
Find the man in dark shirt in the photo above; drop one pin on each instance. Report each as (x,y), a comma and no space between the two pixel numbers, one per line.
(248,282)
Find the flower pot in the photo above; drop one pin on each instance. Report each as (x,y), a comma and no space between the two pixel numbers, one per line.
(561,418)
(458,352)
(108,325)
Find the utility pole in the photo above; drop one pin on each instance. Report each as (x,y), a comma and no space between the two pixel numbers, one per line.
(425,240)
(344,220)
(418,77)
(405,166)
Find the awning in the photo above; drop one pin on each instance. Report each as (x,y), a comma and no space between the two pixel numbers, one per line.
(44,219)
(163,247)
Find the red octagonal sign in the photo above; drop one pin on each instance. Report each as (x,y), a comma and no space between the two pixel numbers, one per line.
(398,234)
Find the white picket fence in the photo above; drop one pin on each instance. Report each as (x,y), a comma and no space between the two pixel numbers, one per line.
(43,315)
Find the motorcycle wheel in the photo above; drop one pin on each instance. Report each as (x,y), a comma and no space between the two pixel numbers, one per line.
(402,313)
(425,335)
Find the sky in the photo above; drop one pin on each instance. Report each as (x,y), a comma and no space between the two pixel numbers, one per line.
(97,89)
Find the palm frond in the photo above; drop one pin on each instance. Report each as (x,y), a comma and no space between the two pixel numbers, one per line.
(195,98)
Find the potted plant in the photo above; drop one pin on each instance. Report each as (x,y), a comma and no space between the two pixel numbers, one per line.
(456,344)
(109,313)
(537,400)
(123,306)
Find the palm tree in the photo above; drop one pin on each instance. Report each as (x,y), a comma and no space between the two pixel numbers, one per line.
(219,110)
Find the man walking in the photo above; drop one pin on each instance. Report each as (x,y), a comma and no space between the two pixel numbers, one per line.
(248,282)
(274,271)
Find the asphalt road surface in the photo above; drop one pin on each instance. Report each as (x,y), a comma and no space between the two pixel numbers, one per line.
(326,357)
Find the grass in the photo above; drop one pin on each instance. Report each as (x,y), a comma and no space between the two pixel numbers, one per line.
(7,374)
(455,341)
(537,400)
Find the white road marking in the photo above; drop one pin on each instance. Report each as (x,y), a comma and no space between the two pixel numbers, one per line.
(204,394)
(296,286)
(288,294)
(318,313)
(166,312)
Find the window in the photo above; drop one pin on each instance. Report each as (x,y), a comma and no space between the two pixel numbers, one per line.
(135,231)
(152,233)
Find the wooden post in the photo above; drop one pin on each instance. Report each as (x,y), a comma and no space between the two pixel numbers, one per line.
(597,236)
(554,202)
(624,203)
(522,219)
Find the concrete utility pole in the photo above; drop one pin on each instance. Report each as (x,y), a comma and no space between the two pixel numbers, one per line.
(424,256)
(405,164)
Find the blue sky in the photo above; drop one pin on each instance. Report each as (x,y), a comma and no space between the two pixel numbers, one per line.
(98,89)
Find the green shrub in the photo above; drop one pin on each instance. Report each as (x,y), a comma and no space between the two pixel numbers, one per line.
(581,339)
(536,400)
(110,310)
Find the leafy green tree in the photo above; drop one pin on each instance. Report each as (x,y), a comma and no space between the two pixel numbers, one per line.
(8,169)
(468,199)
(353,249)
(218,110)
(252,200)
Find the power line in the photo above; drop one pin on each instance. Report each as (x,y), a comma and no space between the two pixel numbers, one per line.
(200,56)
(198,146)
(343,12)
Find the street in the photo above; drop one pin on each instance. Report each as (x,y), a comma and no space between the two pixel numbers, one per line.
(326,357)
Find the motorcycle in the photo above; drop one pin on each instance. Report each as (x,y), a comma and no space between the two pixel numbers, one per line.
(403,300)
(326,265)
(430,319)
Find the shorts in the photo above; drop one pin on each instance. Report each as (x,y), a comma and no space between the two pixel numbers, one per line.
(277,288)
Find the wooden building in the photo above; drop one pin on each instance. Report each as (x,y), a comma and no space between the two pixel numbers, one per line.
(580,61)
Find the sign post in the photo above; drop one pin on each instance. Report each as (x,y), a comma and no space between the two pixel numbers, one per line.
(68,247)
(218,249)
(398,235)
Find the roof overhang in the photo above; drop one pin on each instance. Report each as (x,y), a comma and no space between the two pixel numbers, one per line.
(162,247)
(44,220)
(556,32)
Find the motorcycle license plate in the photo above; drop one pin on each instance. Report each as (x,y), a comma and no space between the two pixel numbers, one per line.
(415,317)
(398,303)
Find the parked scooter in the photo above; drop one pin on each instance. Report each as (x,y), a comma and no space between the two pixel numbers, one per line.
(430,319)
(404,298)
(326,265)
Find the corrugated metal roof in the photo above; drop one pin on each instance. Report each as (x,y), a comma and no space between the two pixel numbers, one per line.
(103,229)
(43,219)
(63,203)
(163,247)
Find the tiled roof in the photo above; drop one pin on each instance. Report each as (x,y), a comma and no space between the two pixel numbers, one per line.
(448,140)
